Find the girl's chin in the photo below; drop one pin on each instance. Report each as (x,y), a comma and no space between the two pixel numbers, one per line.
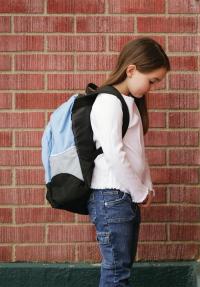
(139,96)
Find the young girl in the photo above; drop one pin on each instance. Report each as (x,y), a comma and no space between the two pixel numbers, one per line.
(121,181)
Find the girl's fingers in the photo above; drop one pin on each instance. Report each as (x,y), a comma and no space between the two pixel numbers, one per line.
(147,201)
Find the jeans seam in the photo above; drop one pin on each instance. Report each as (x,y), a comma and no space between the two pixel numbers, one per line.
(109,230)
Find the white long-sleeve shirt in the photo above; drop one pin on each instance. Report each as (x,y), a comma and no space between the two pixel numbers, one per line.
(123,164)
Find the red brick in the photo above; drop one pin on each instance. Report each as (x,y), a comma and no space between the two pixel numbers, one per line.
(73,81)
(136,6)
(173,213)
(184,120)
(157,119)
(5,215)
(184,232)
(22,120)
(49,115)
(162,24)
(183,6)
(88,252)
(44,62)
(5,25)
(153,232)
(40,100)
(175,175)
(25,234)
(105,24)
(5,176)
(21,82)
(184,43)
(76,6)
(184,157)
(96,62)
(28,138)
(5,139)
(184,194)
(5,253)
(160,194)
(187,63)
(21,196)
(173,100)
(184,82)
(198,24)
(116,43)
(172,138)
(43,24)
(20,157)
(156,157)
(42,215)
(83,218)
(5,63)
(5,101)
(29,176)
(51,253)
(24,6)
(71,233)
(167,251)
(90,43)
(21,43)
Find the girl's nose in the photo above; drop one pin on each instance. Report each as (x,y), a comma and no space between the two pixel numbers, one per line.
(152,87)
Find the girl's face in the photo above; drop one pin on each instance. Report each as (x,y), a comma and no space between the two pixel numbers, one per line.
(139,83)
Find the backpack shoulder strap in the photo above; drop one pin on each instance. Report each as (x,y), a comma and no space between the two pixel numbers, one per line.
(113,91)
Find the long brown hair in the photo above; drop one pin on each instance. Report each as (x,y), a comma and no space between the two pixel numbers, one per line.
(147,55)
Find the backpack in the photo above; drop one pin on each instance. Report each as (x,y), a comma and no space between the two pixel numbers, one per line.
(68,150)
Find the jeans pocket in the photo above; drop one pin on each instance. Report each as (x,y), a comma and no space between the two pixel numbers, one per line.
(106,249)
(120,209)
(116,197)
(103,237)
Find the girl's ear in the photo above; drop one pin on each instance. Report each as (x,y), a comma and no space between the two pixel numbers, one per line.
(130,70)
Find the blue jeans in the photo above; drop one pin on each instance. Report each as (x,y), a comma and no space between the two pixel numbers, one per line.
(117,221)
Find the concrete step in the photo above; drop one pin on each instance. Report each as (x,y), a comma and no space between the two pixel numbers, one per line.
(147,274)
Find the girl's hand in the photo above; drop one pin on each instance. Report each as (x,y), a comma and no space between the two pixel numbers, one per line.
(148,200)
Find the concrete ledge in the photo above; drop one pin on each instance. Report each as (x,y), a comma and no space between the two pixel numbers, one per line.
(148,274)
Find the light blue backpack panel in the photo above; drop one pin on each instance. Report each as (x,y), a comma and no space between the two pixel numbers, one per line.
(59,153)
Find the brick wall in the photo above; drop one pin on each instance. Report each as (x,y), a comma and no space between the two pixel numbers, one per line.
(51,49)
